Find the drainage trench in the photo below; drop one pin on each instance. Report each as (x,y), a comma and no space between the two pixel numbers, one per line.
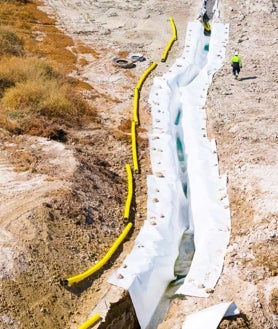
(186,247)
(124,316)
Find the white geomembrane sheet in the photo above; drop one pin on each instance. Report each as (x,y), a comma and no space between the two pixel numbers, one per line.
(185,190)
(210,317)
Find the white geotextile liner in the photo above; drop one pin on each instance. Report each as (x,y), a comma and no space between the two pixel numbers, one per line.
(163,155)
(210,317)
(209,206)
(149,267)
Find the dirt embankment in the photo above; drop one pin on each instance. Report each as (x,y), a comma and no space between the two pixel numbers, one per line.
(61,207)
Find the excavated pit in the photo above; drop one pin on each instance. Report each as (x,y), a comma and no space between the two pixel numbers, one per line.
(120,314)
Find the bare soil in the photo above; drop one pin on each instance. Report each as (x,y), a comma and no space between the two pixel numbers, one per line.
(62,203)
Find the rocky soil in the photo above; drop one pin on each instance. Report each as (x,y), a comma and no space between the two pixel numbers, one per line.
(62,203)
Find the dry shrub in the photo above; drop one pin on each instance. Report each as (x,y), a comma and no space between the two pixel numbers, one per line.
(22,160)
(10,43)
(35,98)
(31,89)
(8,124)
(49,99)
(45,128)
(5,83)
(24,97)
(27,21)
(16,69)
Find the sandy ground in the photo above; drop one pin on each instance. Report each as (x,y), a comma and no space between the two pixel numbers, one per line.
(61,205)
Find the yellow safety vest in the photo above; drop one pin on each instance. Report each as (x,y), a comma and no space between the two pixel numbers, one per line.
(236,59)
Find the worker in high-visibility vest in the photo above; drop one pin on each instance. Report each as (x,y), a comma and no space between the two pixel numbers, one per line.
(236,64)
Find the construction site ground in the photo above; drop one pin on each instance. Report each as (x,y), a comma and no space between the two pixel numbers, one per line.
(62,203)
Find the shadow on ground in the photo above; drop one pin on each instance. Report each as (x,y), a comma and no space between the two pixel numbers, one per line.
(247,78)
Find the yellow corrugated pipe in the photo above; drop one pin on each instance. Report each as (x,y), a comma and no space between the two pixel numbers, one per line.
(91,321)
(167,49)
(135,105)
(77,278)
(137,91)
(172,40)
(145,74)
(134,147)
(174,29)
(130,191)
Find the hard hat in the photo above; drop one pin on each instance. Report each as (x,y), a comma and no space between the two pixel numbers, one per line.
(236,52)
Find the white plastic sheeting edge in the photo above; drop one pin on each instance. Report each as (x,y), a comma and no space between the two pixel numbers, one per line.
(149,267)
(210,317)
(209,206)
(191,170)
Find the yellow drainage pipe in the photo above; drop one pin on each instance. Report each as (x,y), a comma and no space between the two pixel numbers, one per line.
(130,191)
(145,74)
(135,105)
(174,29)
(134,147)
(77,278)
(91,321)
(172,40)
(167,49)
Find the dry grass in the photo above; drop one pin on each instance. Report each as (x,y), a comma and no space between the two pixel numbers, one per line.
(15,70)
(9,124)
(28,22)
(22,160)
(10,43)
(83,49)
(35,95)
(30,88)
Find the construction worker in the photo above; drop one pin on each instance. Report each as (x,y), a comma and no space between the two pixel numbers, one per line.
(236,64)
(207,28)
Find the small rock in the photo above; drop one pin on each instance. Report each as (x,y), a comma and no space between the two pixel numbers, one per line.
(43,310)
